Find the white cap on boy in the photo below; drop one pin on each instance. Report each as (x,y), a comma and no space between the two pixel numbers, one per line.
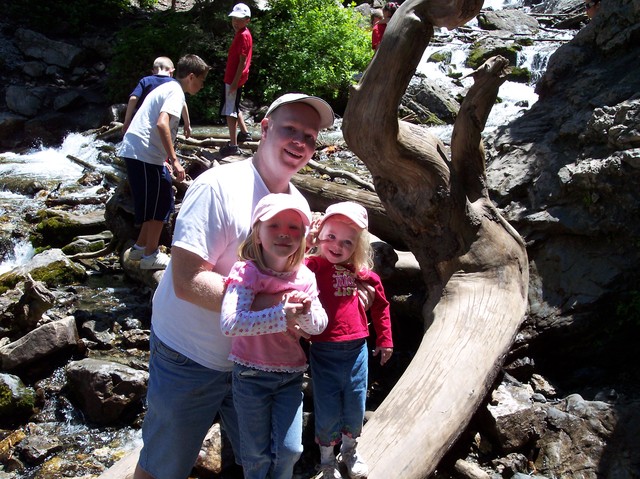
(322,107)
(240,10)
(354,211)
(274,203)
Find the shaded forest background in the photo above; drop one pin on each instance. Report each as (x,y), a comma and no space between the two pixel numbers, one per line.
(314,46)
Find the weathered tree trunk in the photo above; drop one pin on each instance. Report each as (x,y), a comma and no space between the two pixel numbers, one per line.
(473,263)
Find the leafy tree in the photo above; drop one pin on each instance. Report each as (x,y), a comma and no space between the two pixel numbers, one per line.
(204,30)
(315,46)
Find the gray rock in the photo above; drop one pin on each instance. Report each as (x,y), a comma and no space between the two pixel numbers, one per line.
(39,344)
(514,21)
(105,390)
(38,46)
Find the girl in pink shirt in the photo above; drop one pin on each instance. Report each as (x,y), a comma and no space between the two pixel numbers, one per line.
(269,360)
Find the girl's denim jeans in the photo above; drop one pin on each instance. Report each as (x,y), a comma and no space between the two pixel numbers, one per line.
(269,407)
(339,373)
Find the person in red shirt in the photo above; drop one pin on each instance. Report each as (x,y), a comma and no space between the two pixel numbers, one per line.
(235,76)
(378,29)
(338,356)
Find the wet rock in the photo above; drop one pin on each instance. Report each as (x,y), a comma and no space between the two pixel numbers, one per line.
(16,399)
(514,21)
(429,102)
(34,302)
(88,243)
(99,332)
(59,227)
(105,390)
(39,344)
(36,448)
(51,267)
(488,47)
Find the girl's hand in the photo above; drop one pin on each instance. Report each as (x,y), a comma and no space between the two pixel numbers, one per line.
(297,302)
(385,354)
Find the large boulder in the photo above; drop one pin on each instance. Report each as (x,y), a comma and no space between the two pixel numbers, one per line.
(105,390)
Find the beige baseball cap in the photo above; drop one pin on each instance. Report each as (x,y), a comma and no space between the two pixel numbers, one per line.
(322,107)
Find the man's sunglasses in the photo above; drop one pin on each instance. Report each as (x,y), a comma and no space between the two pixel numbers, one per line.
(591,4)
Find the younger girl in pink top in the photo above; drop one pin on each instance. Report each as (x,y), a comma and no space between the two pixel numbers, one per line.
(269,361)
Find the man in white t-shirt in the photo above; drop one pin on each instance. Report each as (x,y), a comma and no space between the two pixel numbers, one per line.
(189,369)
(147,150)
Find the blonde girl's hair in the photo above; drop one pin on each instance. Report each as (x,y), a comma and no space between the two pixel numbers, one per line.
(362,257)
(251,250)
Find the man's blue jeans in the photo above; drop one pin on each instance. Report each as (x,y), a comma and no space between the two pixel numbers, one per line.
(183,399)
(269,407)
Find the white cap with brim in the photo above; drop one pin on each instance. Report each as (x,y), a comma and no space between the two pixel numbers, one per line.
(354,211)
(240,10)
(322,107)
(274,203)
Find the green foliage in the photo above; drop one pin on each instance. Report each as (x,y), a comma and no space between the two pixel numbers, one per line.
(174,34)
(314,46)
(69,17)
(628,311)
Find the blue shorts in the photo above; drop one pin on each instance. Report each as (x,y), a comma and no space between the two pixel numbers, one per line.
(151,189)
(183,399)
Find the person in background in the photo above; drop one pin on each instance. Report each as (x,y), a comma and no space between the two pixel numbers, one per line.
(338,356)
(147,150)
(376,16)
(189,366)
(235,76)
(162,72)
(269,360)
(378,29)
(591,7)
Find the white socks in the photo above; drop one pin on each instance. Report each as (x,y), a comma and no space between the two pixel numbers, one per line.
(327,455)
(348,443)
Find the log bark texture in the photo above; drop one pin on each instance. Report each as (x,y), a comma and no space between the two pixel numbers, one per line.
(473,263)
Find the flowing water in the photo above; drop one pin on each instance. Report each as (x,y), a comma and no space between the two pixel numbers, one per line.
(23,175)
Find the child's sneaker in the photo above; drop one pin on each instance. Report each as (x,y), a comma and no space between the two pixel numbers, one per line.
(157,260)
(328,471)
(244,136)
(353,462)
(135,254)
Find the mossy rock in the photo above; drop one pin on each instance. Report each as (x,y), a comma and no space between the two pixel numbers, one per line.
(16,400)
(51,267)
(437,57)
(59,228)
(83,246)
(481,51)
(519,75)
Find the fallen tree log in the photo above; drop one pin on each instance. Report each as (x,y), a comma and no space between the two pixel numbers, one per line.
(473,263)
